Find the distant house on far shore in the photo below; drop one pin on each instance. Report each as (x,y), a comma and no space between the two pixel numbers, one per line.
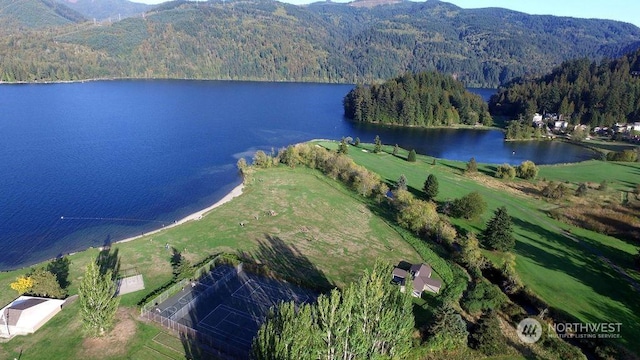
(420,277)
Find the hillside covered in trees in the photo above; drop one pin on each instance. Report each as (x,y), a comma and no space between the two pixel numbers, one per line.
(273,41)
(423,99)
(582,91)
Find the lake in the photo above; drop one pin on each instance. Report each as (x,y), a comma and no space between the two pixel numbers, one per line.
(119,158)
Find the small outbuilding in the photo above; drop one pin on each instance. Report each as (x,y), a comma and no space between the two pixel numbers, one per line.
(27,314)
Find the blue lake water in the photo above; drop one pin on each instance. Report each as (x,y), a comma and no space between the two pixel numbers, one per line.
(119,158)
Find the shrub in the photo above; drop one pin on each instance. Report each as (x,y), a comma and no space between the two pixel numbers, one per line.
(527,170)
(357,142)
(505,171)
(625,155)
(555,191)
(603,185)
(396,149)
(581,190)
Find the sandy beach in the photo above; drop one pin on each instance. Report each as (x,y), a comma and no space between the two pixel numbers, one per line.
(237,191)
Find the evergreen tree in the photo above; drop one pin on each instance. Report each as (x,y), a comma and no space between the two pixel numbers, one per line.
(498,234)
(396,148)
(472,166)
(377,145)
(343,148)
(448,331)
(487,336)
(357,142)
(412,156)
(98,303)
(401,184)
(431,187)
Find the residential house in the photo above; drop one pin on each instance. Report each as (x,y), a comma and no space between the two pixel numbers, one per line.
(419,278)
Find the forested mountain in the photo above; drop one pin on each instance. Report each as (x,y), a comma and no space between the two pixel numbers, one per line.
(17,15)
(328,42)
(423,99)
(106,9)
(582,91)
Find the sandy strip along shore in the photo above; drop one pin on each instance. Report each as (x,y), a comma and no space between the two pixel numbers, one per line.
(237,191)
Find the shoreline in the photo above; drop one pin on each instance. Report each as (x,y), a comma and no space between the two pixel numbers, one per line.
(235,192)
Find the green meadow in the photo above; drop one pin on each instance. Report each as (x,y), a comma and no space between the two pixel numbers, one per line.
(570,273)
(301,224)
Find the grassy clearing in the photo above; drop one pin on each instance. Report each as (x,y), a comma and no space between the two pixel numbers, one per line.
(565,274)
(298,222)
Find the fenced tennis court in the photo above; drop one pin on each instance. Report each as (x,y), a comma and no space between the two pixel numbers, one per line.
(224,308)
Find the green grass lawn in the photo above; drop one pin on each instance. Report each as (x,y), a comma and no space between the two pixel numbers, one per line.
(297,221)
(565,274)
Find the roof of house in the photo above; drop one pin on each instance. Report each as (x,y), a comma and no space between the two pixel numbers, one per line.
(421,270)
(397,272)
(27,303)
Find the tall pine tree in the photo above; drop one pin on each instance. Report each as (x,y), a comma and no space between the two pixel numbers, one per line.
(431,187)
(498,234)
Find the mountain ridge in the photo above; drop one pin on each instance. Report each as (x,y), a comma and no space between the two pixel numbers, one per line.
(326,42)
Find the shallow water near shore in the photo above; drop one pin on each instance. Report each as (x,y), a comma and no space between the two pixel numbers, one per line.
(85,164)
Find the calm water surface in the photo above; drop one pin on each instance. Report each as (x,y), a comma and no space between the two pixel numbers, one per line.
(118,158)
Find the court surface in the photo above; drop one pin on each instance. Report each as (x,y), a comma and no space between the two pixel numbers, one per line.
(230,313)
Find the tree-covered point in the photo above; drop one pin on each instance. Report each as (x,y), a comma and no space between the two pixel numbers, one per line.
(421,99)
(579,91)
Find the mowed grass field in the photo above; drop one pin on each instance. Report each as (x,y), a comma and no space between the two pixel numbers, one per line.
(298,222)
(569,276)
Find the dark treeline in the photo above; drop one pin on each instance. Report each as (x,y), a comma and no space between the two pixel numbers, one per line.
(423,99)
(582,91)
(273,41)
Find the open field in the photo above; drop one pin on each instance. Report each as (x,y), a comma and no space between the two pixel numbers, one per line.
(298,222)
(570,274)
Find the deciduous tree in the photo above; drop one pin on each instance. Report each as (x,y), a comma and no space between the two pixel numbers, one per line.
(22,284)
(98,303)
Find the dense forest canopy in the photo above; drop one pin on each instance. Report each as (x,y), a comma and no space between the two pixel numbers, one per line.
(273,41)
(579,91)
(423,99)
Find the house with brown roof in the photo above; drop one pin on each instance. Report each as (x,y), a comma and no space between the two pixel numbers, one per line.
(419,277)
(27,314)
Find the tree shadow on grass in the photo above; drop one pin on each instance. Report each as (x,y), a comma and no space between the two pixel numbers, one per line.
(287,261)
(574,259)
(228,317)
(59,267)
(108,260)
